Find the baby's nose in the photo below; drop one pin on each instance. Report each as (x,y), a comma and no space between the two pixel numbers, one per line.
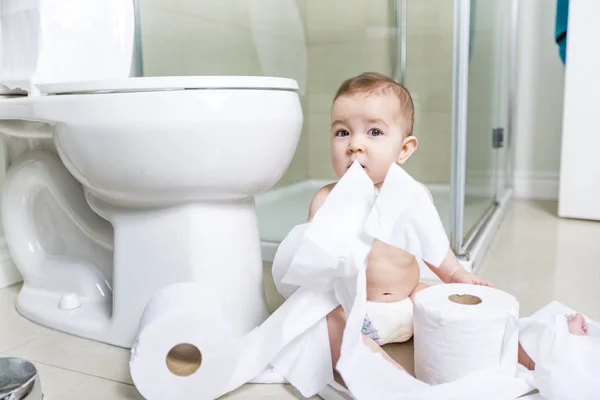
(356,146)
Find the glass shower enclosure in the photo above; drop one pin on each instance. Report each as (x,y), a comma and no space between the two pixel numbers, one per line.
(455,57)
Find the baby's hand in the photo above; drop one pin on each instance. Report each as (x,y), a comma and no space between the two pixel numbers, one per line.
(462,276)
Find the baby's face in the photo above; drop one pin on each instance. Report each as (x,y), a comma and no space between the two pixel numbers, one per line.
(366,128)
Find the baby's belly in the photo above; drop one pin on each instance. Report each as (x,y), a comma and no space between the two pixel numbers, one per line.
(385,286)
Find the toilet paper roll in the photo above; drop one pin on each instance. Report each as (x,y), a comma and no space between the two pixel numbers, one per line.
(183,350)
(460,329)
(38,41)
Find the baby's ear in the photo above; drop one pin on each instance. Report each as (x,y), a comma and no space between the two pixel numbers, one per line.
(409,146)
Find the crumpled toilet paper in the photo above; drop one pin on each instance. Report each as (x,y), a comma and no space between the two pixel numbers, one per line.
(405,217)
(567,366)
(330,253)
(319,266)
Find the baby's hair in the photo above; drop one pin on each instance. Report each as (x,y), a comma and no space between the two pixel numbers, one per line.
(376,83)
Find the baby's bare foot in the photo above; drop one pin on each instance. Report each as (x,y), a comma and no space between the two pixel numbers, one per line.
(577,325)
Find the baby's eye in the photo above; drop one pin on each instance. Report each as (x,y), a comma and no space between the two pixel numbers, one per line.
(375,132)
(341,133)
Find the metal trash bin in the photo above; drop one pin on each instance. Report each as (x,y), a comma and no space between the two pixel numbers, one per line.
(19,380)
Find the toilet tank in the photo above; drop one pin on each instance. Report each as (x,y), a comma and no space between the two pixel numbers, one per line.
(51,41)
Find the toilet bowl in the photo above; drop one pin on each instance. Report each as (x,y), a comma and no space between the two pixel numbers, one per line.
(118,187)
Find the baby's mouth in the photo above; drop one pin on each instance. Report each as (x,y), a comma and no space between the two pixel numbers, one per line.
(349,165)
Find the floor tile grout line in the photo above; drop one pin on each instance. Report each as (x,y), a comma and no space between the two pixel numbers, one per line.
(83,373)
(33,359)
(24,343)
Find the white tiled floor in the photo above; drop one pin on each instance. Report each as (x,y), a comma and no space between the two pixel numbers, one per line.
(535,256)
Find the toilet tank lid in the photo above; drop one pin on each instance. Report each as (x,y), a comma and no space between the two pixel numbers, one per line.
(150,84)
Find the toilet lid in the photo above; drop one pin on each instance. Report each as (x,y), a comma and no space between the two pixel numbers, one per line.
(152,84)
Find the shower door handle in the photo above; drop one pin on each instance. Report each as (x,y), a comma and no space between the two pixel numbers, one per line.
(400,39)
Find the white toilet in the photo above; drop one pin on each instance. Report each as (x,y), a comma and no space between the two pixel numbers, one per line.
(117,186)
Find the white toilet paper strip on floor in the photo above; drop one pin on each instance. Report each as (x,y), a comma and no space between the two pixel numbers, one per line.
(185,348)
(566,366)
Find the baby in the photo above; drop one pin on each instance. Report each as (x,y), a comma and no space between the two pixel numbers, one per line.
(372,121)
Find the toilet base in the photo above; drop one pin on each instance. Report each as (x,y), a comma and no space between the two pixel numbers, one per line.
(91,320)
(64,253)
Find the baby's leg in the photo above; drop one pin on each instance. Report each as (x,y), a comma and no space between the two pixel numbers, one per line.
(577,326)
(336,322)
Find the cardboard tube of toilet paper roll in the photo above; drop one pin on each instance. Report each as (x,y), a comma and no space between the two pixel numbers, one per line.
(184,348)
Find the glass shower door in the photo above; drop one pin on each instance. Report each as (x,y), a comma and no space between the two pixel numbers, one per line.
(486,112)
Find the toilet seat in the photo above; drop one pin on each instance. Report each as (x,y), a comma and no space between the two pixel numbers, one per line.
(153,84)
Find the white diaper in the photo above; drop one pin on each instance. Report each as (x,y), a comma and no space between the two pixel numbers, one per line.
(389,322)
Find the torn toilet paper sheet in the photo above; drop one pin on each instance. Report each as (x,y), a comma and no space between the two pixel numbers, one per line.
(405,217)
(186,349)
(330,253)
(566,366)
(368,375)
(329,237)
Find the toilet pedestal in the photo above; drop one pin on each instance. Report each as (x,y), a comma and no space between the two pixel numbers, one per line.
(67,287)
(214,244)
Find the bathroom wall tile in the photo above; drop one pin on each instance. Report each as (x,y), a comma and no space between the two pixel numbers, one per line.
(14,329)
(432,160)
(319,164)
(335,21)
(283,18)
(180,44)
(429,71)
(177,44)
(481,156)
(320,103)
(330,64)
(228,12)
(278,56)
(63,384)
(430,16)
(484,89)
(73,353)
(379,14)
(161,31)
(298,169)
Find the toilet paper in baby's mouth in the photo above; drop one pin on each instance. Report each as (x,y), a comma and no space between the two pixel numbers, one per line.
(460,329)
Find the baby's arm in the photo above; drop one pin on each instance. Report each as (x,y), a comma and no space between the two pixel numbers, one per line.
(319,199)
(451,271)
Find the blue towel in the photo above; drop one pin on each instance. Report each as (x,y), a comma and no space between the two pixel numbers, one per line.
(560,33)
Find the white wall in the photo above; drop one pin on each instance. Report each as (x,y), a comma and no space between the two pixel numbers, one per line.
(580,164)
(538,102)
